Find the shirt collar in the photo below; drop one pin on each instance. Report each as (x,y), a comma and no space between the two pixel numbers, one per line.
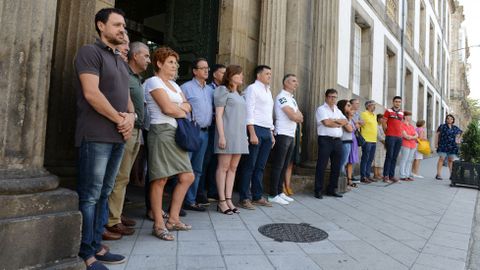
(104,46)
(198,83)
(287,93)
(266,86)
(130,71)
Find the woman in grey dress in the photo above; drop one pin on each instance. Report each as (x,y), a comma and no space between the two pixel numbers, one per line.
(231,135)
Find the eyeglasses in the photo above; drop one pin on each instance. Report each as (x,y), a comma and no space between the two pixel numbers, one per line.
(203,68)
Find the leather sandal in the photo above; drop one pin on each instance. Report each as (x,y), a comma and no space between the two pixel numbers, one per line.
(234,209)
(178,226)
(162,233)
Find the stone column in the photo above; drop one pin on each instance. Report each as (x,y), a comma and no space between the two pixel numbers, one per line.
(70,35)
(271,45)
(238,35)
(39,223)
(323,75)
(298,49)
(324,67)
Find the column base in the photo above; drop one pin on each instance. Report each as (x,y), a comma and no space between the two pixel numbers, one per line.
(39,230)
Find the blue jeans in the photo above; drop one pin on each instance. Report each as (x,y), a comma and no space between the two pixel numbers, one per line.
(406,161)
(98,165)
(254,165)
(393,145)
(368,153)
(208,179)
(196,158)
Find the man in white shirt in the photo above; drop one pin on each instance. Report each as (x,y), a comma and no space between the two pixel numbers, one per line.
(330,121)
(258,98)
(287,116)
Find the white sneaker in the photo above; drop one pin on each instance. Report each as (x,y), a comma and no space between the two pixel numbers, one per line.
(278,199)
(417,176)
(286,198)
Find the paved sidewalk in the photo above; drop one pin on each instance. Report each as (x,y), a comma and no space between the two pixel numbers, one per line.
(423,224)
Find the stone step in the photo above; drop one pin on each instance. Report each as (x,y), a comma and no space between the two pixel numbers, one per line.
(59,200)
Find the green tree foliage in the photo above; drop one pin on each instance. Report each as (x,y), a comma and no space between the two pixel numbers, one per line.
(474,106)
(470,148)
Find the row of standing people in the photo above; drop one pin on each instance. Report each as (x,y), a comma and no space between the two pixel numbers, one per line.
(110,117)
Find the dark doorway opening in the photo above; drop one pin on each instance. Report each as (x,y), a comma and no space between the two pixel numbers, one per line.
(189,27)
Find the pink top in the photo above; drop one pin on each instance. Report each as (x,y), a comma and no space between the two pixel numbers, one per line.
(410,130)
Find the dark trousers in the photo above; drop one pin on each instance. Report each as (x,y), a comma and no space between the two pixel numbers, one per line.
(253,165)
(368,153)
(208,185)
(393,145)
(281,155)
(328,148)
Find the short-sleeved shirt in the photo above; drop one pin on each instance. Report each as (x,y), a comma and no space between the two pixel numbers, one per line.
(137,96)
(283,124)
(201,99)
(410,130)
(156,115)
(325,112)
(394,122)
(100,60)
(369,128)
(447,143)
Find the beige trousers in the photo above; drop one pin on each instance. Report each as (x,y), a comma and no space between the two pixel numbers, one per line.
(117,197)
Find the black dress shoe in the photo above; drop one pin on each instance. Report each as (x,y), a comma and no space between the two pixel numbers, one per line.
(318,196)
(334,194)
(202,201)
(194,207)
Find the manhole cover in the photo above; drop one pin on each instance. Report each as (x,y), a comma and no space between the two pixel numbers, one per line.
(301,233)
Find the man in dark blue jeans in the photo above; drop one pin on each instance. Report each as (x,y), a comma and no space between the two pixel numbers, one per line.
(393,139)
(105,118)
(259,102)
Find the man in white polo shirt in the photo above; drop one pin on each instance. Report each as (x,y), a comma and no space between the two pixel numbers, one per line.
(287,116)
(330,121)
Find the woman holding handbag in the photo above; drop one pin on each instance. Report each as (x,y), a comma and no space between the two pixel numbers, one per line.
(165,103)
(422,135)
(231,135)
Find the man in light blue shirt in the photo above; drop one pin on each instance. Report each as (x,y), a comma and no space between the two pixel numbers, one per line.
(200,97)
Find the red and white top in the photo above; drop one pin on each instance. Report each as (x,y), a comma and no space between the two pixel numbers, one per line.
(394,122)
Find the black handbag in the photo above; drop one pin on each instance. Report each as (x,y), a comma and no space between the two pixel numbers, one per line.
(360,140)
(187,135)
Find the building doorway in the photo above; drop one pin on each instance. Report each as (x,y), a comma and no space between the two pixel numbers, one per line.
(189,27)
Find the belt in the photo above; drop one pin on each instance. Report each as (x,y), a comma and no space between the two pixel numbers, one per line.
(330,137)
(204,129)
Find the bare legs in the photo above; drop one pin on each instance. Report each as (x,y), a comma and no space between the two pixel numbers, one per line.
(156,194)
(416,166)
(439,166)
(288,178)
(227,167)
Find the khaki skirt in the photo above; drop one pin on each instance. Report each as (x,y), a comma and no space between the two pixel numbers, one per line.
(165,158)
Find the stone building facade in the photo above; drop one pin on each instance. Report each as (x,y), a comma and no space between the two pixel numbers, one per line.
(459,87)
(352,45)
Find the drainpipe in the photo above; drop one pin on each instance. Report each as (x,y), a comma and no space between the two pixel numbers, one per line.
(402,55)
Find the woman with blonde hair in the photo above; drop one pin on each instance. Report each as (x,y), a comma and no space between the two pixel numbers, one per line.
(165,103)
(231,135)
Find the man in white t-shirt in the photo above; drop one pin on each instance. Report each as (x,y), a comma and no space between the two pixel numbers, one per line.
(287,116)
(330,121)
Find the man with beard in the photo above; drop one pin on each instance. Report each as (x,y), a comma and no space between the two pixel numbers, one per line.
(105,119)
